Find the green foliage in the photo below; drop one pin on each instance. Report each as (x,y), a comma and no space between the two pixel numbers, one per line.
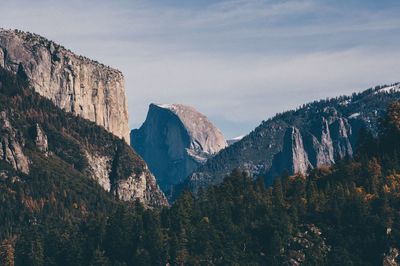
(260,146)
(346,214)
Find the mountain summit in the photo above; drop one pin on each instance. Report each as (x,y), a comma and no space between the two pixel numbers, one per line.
(316,134)
(174,140)
(74,83)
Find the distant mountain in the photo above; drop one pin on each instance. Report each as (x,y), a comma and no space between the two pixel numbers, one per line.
(174,140)
(39,139)
(316,134)
(74,83)
(234,140)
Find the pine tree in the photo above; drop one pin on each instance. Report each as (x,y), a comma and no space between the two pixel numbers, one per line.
(277,193)
(374,173)
(6,253)
(99,258)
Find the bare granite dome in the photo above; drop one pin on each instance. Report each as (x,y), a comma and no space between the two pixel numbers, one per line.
(206,138)
(174,140)
(74,83)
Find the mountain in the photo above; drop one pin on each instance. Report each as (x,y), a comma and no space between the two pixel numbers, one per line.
(316,134)
(174,140)
(74,83)
(343,214)
(35,134)
(234,140)
(53,210)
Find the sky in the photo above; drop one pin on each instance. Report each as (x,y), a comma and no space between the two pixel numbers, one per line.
(238,62)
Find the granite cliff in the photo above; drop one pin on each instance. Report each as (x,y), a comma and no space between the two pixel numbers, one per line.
(11,146)
(36,134)
(74,83)
(316,134)
(174,140)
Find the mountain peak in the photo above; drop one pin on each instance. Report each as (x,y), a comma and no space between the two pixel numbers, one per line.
(174,140)
(317,134)
(74,83)
(206,137)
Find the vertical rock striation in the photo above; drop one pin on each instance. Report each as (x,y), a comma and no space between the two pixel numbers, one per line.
(319,133)
(293,157)
(41,141)
(174,140)
(326,143)
(11,146)
(74,83)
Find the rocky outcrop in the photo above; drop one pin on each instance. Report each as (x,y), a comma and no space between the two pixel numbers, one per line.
(319,133)
(174,140)
(74,83)
(99,168)
(293,157)
(296,151)
(41,141)
(341,138)
(324,144)
(134,182)
(140,186)
(391,258)
(309,240)
(11,146)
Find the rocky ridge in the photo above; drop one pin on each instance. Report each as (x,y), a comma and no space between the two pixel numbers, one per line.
(33,131)
(74,83)
(174,140)
(316,134)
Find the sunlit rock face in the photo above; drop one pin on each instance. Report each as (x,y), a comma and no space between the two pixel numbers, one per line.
(141,186)
(325,143)
(316,134)
(293,157)
(74,83)
(41,140)
(174,140)
(11,145)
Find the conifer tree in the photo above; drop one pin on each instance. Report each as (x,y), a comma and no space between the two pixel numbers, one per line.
(7,253)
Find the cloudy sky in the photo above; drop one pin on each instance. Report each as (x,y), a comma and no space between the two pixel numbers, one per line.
(239,62)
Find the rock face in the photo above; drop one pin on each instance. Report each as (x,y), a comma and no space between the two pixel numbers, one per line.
(391,259)
(293,157)
(136,185)
(74,83)
(317,134)
(100,165)
(141,186)
(309,240)
(11,145)
(174,140)
(326,143)
(36,134)
(41,141)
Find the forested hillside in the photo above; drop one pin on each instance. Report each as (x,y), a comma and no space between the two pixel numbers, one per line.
(315,134)
(344,214)
(33,128)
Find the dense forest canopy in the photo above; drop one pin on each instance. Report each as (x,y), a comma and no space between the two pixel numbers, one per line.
(345,214)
